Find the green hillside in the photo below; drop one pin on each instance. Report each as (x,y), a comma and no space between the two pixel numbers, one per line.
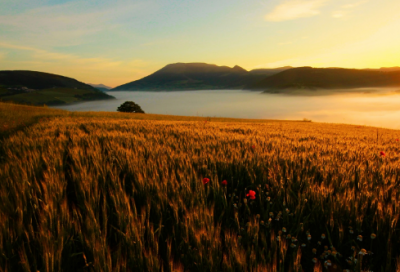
(37,88)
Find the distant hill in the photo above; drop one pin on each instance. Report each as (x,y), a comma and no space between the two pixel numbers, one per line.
(386,69)
(100,87)
(193,76)
(270,71)
(38,88)
(202,76)
(327,78)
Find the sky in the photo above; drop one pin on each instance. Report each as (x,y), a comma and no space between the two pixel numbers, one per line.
(117,41)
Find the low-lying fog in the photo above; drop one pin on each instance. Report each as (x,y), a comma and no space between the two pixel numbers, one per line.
(373,107)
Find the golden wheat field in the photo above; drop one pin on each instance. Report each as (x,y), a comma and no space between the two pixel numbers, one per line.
(128,192)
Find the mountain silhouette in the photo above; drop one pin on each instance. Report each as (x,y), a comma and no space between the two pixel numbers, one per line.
(193,76)
(327,78)
(202,76)
(270,71)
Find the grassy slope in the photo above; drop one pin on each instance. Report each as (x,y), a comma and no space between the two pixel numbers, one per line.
(50,89)
(39,80)
(123,192)
(55,96)
(14,117)
(3,91)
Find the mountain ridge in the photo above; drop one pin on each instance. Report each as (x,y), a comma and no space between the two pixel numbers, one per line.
(327,78)
(202,76)
(270,71)
(192,76)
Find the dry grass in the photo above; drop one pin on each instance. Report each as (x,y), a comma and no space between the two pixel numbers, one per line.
(106,192)
(16,116)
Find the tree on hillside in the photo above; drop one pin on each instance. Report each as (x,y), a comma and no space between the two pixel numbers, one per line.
(130,106)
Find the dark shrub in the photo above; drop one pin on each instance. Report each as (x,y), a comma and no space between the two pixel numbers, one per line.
(130,106)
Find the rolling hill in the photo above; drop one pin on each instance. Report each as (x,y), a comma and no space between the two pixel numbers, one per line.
(327,78)
(38,88)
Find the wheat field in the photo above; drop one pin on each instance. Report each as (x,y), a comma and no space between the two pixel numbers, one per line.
(139,192)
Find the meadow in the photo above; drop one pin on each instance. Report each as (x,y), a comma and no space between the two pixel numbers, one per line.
(141,192)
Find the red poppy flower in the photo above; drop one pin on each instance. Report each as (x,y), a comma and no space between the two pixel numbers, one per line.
(206,180)
(224,182)
(251,194)
(397,140)
(382,153)
(253,146)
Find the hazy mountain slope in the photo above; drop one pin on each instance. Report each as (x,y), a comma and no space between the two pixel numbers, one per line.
(386,69)
(100,87)
(327,78)
(193,76)
(39,88)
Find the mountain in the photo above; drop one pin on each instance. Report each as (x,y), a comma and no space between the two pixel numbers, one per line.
(327,78)
(100,87)
(202,76)
(270,71)
(193,76)
(386,69)
(38,88)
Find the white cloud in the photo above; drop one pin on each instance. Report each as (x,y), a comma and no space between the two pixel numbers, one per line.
(338,14)
(353,5)
(345,9)
(46,56)
(13,46)
(294,9)
(70,23)
(82,68)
